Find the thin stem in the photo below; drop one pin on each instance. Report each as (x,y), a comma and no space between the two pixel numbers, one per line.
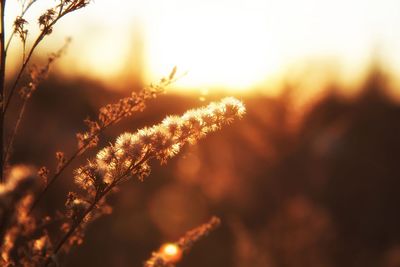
(2,85)
(54,178)
(67,163)
(82,150)
(41,36)
(23,51)
(22,15)
(21,71)
(14,133)
(94,203)
(79,221)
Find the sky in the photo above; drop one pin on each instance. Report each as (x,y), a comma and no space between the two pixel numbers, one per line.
(234,44)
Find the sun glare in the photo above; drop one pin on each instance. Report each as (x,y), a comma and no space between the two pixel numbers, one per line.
(232,44)
(218,44)
(171,252)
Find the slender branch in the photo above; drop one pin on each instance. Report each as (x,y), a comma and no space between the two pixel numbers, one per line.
(2,84)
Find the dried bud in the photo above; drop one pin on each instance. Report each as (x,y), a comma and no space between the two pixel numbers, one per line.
(19,28)
(60,160)
(43,173)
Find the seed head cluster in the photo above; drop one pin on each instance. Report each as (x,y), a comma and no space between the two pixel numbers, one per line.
(114,112)
(130,154)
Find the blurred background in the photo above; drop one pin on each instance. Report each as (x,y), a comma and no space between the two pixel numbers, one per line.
(310,176)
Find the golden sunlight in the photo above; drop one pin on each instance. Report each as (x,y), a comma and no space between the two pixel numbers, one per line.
(232,44)
(171,252)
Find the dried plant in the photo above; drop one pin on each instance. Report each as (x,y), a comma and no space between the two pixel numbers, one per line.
(108,116)
(46,23)
(36,75)
(130,156)
(26,240)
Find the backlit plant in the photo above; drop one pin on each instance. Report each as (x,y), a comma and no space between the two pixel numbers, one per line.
(25,238)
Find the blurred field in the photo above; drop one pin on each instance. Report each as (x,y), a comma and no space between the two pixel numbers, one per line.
(312,186)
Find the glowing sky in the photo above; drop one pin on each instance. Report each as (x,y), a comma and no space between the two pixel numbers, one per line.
(230,43)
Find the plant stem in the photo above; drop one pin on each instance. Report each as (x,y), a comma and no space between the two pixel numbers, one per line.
(78,222)
(54,178)
(67,163)
(21,71)
(41,36)
(14,133)
(22,15)
(2,84)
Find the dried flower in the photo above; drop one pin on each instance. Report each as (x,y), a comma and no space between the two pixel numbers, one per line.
(108,116)
(113,113)
(60,157)
(44,174)
(39,74)
(19,28)
(162,141)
